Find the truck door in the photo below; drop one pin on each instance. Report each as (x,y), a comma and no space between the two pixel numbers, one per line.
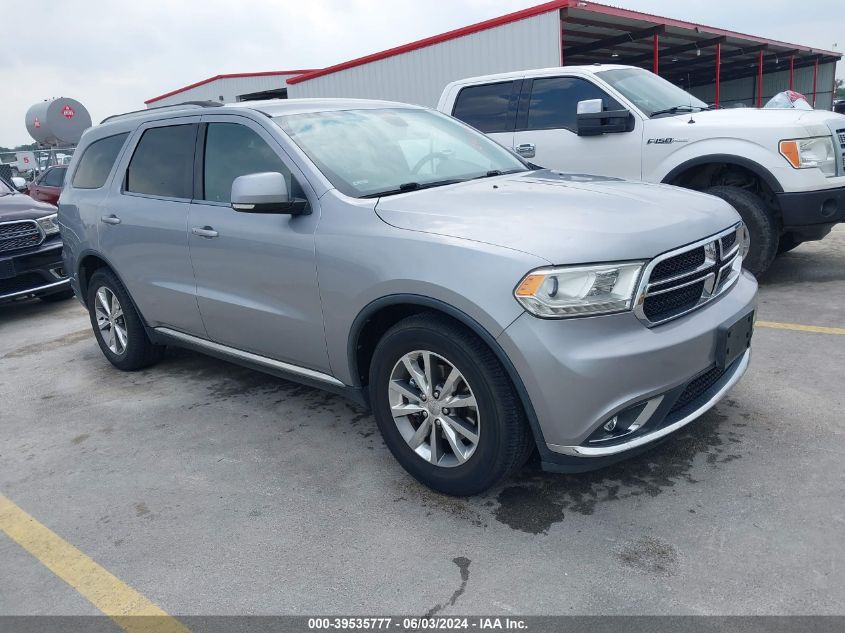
(547,128)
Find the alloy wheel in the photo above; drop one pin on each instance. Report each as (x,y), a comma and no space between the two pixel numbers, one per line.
(110,320)
(434,408)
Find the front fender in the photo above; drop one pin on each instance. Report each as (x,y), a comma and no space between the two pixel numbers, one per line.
(739,152)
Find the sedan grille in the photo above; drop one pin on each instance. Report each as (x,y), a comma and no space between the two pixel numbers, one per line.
(17,235)
(680,281)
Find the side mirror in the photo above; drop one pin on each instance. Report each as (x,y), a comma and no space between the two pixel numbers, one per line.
(266,192)
(593,121)
(19,183)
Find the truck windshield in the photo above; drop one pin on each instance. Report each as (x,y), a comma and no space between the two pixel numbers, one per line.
(385,151)
(650,93)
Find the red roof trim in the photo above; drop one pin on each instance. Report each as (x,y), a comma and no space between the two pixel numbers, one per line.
(226,76)
(437,39)
(592,7)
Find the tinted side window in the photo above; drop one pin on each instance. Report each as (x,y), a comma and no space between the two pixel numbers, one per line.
(97,161)
(233,150)
(554,102)
(486,108)
(54,177)
(163,162)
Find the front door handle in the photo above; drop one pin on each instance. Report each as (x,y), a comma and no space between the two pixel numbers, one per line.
(526,150)
(110,219)
(205,231)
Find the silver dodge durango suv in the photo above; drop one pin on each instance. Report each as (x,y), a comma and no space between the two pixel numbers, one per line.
(484,308)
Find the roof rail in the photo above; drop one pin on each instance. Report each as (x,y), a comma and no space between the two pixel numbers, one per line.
(198,104)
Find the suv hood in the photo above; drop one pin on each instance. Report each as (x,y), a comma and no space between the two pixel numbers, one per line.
(563,218)
(18,206)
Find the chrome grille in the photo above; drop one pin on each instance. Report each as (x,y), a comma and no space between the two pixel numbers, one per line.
(841,136)
(17,235)
(680,281)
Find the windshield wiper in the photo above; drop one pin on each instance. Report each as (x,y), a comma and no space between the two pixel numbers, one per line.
(679,108)
(412,186)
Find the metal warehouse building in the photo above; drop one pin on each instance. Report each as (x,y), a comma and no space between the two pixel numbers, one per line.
(718,66)
(230,88)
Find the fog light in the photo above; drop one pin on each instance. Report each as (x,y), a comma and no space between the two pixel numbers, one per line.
(610,425)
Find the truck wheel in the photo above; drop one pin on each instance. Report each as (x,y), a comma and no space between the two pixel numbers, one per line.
(117,324)
(762,228)
(445,406)
(787,243)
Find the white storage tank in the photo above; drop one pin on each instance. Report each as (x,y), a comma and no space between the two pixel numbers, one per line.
(57,122)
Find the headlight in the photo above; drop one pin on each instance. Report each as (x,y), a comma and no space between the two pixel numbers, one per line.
(49,224)
(744,241)
(805,153)
(579,290)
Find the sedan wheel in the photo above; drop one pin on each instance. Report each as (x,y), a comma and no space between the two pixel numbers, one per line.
(434,408)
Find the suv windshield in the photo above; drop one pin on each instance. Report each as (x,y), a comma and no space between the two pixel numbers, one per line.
(650,93)
(368,153)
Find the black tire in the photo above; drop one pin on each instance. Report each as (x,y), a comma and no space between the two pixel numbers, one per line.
(139,351)
(787,243)
(55,297)
(762,227)
(504,442)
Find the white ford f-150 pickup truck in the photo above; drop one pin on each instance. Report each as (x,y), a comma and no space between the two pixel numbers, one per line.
(782,169)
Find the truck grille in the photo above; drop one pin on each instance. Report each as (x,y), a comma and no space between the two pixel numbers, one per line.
(680,281)
(840,134)
(17,235)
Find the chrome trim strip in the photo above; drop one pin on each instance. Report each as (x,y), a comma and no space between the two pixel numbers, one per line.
(655,293)
(707,265)
(249,356)
(24,293)
(606,451)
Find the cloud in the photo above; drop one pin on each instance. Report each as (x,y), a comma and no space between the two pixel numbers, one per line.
(113,55)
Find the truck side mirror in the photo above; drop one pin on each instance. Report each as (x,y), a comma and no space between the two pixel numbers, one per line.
(593,120)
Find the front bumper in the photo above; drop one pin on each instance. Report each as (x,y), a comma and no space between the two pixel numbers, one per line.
(579,373)
(33,272)
(811,214)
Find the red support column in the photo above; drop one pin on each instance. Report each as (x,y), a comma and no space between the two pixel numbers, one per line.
(792,72)
(815,79)
(760,79)
(656,63)
(718,70)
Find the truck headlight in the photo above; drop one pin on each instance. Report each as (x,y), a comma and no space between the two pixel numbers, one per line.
(569,291)
(49,224)
(805,153)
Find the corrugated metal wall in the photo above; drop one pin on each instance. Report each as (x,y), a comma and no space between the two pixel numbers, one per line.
(743,91)
(228,87)
(419,76)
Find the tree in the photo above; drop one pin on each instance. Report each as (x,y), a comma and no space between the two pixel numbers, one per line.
(839,89)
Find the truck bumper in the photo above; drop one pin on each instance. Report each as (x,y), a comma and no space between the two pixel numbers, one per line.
(580,373)
(33,273)
(811,214)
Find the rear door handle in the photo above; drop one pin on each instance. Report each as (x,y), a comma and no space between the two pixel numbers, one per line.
(205,231)
(526,150)
(110,219)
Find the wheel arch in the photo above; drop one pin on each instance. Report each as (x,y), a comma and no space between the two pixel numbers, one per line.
(379,315)
(724,159)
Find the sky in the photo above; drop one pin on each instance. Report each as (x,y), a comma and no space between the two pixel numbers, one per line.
(113,54)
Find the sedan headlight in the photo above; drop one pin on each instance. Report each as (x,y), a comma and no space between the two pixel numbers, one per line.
(579,290)
(806,153)
(49,224)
